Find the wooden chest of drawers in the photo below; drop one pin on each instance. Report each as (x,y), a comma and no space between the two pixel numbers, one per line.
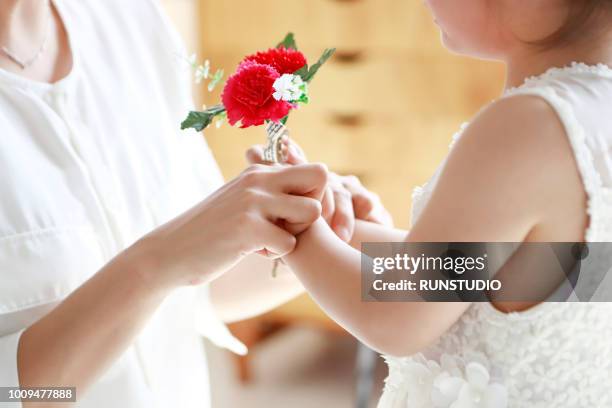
(384,108)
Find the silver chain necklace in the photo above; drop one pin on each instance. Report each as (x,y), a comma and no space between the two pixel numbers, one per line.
(23,64)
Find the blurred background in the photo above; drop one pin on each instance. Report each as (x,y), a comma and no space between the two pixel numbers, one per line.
(384,109)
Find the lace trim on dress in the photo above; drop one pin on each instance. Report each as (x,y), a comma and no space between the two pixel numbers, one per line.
(584,157)
(573,68)
(599,197)
(537,85)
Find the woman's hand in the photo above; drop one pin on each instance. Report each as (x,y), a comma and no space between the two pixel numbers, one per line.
(345,198)
(259,211)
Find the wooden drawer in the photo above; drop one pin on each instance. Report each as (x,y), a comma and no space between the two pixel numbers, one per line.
(403,24)
(240,24)
(345,24)
(406,84)
(391,154)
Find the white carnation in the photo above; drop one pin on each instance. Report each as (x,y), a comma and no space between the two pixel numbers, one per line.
(288,88)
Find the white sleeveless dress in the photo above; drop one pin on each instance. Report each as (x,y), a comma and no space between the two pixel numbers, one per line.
(555,354)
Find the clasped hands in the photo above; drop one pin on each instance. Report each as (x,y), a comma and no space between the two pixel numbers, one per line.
(343,198)
(260,211)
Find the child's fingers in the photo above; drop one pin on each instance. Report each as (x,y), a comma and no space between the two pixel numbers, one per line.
(254,154)
(292,152)
(343,221)
(328,205)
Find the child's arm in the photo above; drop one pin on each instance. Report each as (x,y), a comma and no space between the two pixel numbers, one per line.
(366,231)
(494,187)
(330,270)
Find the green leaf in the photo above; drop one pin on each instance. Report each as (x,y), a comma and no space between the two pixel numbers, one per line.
(288,42)
(302,72)
(200,120)
(197,120)
(314,68)
(284,120)
(304,99)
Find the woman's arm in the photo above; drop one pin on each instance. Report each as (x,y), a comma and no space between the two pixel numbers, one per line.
(74,343)
(495,186)
(83,335)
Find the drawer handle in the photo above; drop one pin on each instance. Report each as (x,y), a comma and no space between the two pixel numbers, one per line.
(348,119)
(348,56)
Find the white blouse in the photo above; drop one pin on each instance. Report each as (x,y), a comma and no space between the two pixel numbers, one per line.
(90,164)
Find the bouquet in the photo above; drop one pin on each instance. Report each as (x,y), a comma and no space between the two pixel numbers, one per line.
(265,88)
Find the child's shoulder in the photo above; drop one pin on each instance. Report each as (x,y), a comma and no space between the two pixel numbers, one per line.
(511,162)
(516,129)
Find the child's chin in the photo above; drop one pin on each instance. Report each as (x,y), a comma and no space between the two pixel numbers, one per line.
(457,48)
(450,44)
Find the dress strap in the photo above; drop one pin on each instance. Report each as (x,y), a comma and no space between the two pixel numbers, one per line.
(591,178)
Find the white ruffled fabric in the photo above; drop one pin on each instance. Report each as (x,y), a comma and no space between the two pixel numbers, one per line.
(453,382)
(555,354)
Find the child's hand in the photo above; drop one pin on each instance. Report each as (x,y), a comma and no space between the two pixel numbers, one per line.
(345,198)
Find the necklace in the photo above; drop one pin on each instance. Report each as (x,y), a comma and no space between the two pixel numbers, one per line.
(25,63)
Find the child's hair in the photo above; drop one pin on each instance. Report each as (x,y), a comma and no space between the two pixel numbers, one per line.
(581,14)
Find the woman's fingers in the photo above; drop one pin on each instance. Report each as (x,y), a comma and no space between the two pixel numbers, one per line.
(292,209)
(284,196)
(305,179)
(278,242)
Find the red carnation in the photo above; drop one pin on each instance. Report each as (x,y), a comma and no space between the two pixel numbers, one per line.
(284,60)
(247,96)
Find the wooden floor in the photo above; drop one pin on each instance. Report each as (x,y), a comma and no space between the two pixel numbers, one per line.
(298,368)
